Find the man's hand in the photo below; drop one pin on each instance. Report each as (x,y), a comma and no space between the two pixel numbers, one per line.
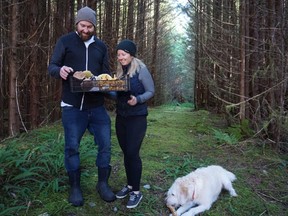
(64,71)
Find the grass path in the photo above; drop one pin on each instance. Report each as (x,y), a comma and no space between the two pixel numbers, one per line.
(177,142)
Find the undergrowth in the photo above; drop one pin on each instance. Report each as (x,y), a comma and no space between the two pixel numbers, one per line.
(178,140)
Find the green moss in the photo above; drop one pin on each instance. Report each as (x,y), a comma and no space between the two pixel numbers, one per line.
(178,140)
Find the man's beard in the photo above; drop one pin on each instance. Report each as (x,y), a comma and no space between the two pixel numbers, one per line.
(85,37)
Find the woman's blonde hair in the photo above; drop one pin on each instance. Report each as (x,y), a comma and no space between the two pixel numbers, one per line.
(136,64)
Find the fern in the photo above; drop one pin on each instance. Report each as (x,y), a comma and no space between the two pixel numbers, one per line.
(225,138)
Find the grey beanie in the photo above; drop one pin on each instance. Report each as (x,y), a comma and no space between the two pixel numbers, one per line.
(86,14)
(127,46)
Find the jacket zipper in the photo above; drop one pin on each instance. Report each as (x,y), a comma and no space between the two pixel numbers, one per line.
(86,68)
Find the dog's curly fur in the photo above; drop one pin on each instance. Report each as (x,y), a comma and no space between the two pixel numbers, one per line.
(197,191)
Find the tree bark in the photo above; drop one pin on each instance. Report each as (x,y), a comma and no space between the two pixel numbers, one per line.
(14,123)
(130,21)
(242,58)
(34,79)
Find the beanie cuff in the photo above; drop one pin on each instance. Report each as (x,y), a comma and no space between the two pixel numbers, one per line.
(86,14)
(127,46)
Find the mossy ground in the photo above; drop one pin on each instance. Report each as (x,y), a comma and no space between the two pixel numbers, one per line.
(178,141)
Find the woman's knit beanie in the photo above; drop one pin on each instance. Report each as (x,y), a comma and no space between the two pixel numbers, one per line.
(86,14)
(127,46)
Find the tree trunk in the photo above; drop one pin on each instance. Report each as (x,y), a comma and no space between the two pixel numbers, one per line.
(140,36)
(108,28)
(130,21)
(14,123)
(3,80)
(34,80)
(242,58)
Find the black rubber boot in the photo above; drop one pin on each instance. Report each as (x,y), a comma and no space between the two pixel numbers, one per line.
(102,186)
(75,195)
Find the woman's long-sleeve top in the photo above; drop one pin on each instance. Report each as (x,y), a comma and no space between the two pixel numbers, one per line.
(142,87)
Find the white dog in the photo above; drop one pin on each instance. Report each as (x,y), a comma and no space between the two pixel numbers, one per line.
(199,189)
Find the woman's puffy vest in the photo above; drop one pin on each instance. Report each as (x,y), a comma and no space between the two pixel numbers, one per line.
(123,108)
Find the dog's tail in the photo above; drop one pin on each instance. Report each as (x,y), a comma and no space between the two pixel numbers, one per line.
(231,176)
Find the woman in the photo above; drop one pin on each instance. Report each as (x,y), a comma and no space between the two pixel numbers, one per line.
(131,118)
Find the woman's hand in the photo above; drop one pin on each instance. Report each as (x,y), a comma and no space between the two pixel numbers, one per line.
(132,101)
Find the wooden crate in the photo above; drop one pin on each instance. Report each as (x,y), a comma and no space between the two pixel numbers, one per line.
(89,85)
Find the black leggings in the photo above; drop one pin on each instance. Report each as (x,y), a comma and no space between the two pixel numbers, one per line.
(130,133)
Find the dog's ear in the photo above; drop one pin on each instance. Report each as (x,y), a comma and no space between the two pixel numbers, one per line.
(183,194)
(184,190)
(191,189)
(198,185)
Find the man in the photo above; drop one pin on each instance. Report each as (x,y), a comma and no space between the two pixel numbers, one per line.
(79,51)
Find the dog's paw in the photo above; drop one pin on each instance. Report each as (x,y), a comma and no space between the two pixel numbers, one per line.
(233,193)
(187,214)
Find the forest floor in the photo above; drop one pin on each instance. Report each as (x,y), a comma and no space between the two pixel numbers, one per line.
(178,140)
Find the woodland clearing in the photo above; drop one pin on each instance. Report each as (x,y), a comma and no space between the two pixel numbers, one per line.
(178,140)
